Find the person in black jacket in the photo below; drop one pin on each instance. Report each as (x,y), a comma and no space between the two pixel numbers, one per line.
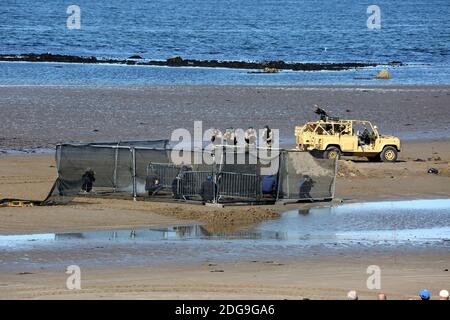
(306,186)
(152,185)
(207,190)
(87,180)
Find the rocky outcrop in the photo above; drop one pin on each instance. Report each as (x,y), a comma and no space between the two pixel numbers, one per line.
(178,61)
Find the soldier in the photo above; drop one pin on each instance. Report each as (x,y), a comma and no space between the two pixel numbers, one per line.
(207,190)
(250,136)
(87,180)
(216,136)
(268,136)
(152,185)
(305,187)
(230,136)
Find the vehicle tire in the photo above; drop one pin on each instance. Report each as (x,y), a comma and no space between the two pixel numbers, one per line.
(332,153)
(376,158)
(389,154)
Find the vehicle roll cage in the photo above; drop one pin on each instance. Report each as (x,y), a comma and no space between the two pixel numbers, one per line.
(343,127)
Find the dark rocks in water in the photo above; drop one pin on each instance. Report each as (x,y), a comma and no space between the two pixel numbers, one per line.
(48,57)
(175,61)
(270,65)
(178,61)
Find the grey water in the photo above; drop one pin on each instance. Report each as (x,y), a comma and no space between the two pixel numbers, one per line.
(32,73)
(349,228)
(415,32)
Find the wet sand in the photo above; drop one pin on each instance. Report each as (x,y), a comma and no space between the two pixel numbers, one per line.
(402,276)
(40,116)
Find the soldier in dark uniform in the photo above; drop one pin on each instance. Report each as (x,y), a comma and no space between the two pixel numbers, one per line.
(305,187)
(207,189)
(87,180)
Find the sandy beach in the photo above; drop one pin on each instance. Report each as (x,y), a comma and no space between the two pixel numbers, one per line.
(42,116)
(316,278)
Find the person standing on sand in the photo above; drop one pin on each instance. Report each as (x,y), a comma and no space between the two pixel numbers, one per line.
(216,136)
(229,137)
(250,137)
(207,189)
(268,136)
(87,180)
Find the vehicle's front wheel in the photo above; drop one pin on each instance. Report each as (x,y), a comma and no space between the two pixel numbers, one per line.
(332,153)
(389,154)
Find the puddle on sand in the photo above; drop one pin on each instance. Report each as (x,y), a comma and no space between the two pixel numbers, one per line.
(360,229)
(399,221)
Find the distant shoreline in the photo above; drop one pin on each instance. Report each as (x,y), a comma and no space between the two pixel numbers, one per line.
(180,62)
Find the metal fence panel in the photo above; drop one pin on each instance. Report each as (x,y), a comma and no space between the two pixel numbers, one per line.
(240,185)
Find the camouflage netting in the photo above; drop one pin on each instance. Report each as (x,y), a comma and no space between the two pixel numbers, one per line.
(123,170)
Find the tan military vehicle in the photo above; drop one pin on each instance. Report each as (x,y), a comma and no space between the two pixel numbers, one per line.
(333,137)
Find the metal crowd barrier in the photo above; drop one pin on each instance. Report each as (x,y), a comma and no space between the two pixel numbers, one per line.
(190,183)
(240,185)
(166,172)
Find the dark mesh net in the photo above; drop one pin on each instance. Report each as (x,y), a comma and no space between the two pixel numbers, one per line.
(304,177)
(225,175)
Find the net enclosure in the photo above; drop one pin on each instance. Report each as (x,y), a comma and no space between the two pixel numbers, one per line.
(152,170)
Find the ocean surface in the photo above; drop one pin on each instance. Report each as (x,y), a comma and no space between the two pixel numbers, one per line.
(415,32)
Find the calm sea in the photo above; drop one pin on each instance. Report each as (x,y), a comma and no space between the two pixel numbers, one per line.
(416,32)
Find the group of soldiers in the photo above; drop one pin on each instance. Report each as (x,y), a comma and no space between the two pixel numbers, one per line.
(250,137)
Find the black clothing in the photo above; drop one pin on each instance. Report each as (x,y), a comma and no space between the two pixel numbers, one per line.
(207,190)
(152,184)
(87,181)
(305,188)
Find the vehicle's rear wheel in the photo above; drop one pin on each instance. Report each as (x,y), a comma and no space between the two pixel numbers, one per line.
(332,153)
(376,158)
(389,154)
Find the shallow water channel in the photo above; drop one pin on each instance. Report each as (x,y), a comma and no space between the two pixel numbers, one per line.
(358,227)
